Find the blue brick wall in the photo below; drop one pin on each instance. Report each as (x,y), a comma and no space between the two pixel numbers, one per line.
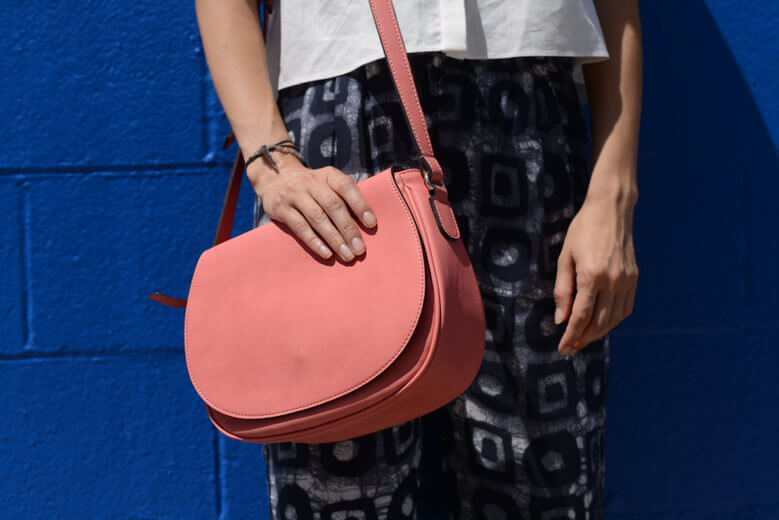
(111,179)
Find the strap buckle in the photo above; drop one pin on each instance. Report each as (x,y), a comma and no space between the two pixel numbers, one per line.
(427,171)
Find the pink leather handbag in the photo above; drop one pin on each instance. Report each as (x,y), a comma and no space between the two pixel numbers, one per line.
(282,345)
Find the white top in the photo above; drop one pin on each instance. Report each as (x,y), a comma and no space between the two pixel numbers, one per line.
(315,39)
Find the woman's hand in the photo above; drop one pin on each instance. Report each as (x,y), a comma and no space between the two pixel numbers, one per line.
(314,204)
(597,261)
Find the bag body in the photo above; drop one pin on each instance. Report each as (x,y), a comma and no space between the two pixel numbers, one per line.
(282,345)
(328,351)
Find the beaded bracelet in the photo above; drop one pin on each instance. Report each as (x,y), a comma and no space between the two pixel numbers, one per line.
(286,146)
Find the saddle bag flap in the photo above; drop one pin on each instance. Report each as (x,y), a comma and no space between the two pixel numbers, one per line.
(270,331)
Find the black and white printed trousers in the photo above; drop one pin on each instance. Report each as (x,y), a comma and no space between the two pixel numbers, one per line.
(526,440)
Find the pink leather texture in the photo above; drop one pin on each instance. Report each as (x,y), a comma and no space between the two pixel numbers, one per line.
(303,331)
(284,346)
(437,364)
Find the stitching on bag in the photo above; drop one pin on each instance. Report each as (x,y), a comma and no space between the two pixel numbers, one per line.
(308,405)
(425,139)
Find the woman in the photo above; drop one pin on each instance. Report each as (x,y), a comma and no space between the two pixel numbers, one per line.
(546,211)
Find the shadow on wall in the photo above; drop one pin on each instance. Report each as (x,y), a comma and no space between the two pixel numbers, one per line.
(692,417)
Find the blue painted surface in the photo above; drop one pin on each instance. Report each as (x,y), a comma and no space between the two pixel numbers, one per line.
(111,178)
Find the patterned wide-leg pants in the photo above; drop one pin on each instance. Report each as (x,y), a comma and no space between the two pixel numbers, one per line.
(526,440)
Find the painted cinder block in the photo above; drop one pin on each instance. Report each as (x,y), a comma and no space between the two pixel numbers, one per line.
(763,238)
(104,438)
(243,478)
(744,26)
(692,421)
(106,83)
(13,296)
(218,125)
(690,228)
(702,511)
(100,243)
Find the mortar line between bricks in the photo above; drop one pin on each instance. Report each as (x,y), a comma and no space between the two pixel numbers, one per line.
(152,353)
(91,169)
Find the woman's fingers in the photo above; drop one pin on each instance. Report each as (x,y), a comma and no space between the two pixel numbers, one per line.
(599,322)
(565,286)
(346,187)
(315,205)
(613,303)
(630,298)
(300,226)
(581,313)
(618,308)
(339,215)
(319,219)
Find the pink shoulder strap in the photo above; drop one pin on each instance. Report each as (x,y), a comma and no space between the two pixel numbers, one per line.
(395,51)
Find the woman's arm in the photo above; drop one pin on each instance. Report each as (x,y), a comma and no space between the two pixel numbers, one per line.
(235,52)
(314,203)
(597,261)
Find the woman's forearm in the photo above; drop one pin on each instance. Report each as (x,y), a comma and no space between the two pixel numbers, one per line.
(614,89)
(597,272)
(235,52)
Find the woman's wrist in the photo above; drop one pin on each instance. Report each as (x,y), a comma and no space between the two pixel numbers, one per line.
(615,188)
(260,172)
(614,180)
(614,175)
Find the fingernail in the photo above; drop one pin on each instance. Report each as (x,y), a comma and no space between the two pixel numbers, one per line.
(358,246)
(558,315)
(369,219)
(346,253)
(325,251)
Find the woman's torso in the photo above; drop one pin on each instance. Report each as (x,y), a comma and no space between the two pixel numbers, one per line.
(315,39)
